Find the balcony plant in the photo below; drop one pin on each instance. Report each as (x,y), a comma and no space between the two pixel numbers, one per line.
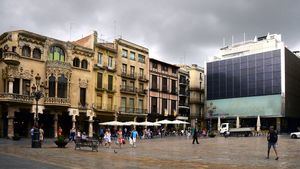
(61,142)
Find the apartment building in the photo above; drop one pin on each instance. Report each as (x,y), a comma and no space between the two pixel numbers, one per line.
(132,80)
(163,93)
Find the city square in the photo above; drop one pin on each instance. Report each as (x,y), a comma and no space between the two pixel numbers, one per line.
(170,152)
(134,84)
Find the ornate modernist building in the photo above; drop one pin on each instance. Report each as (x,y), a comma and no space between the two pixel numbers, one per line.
(60,69)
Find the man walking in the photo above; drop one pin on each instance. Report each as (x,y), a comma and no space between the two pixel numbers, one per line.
(134,134)
(272,141)
(195,136)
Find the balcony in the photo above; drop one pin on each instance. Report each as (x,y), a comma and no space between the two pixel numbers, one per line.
(142,91)
(11,58)
(110,68)
(154,89)
(135,111)
(128,89)
(110,89)
(100,108)
(98,66)
(183,105)
(128,75)
(11,97)
(183,82)
(55,101)
(143,78)
(183,93)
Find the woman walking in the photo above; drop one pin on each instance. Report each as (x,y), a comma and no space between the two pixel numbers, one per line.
(107,138)
(41,134)
(120,137)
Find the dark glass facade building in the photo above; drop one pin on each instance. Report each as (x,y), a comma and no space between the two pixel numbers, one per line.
(265,84)
(251,75)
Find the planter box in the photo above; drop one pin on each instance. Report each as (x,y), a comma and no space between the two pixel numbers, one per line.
(61,144)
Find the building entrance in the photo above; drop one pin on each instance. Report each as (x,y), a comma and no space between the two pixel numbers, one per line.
(22,123)
(46,122)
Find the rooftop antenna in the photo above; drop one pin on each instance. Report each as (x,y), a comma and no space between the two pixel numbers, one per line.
(232,40)
(244,37)
(224,43)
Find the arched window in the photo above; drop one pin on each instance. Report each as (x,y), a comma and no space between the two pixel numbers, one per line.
(84,64)
(52,86)
(26,51)
(57,53)
(36,53)
(76,62)
(62,87)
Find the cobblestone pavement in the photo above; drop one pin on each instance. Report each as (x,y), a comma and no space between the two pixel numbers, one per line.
(171,152)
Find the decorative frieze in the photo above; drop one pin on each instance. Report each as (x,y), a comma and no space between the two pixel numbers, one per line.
(12,71)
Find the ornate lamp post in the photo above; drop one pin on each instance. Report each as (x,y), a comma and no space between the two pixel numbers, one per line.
(37,94)
(210,109)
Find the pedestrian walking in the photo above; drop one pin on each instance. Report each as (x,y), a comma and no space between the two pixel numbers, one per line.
(120,137)
(101,135)
(59,132)
(195,136)
(72,134)
(32,132)
(134,134)
(272,138)
(41,134)
(107,138)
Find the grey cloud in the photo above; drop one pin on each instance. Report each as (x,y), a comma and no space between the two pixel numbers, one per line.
(178,31)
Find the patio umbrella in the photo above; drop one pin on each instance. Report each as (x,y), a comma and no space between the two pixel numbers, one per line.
(237,122)
(258,124)
(129,123)
(219,123)
(147,123)
(179,122)
(164,122)
(113,123)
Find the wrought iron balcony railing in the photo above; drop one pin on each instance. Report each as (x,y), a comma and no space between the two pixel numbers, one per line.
(130,110)
(128,75)
(128,89)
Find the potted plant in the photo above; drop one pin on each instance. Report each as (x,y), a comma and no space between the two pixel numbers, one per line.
(61,142)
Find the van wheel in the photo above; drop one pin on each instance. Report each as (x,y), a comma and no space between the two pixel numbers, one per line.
(294,136)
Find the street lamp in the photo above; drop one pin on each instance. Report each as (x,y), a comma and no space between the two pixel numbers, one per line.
(37,94)
(210,109)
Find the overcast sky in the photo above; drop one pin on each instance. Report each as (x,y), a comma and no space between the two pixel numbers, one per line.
(176,31)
